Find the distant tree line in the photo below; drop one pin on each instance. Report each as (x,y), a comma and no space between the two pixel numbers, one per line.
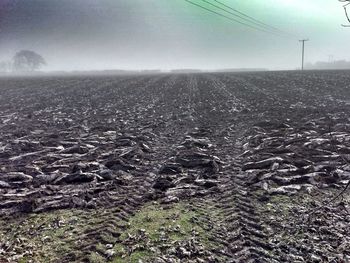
(338,64)
(23,61)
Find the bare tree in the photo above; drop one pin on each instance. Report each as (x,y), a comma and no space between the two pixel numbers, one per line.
(26,60)
(347,2)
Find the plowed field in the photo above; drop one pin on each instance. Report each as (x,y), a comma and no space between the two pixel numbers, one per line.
(219,167)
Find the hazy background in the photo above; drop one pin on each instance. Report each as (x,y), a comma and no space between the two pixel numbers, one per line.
(166,34)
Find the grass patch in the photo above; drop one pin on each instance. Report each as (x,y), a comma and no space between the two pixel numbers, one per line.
(152,231)
(45,237)
(155,229)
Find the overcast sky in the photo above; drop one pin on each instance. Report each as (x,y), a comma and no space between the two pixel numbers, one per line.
(165,34)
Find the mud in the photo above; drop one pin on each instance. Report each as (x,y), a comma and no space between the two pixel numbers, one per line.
(256,155)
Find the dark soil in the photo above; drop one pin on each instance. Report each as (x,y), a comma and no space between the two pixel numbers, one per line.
(240,167)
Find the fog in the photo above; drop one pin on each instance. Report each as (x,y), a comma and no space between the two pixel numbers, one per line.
(168,34)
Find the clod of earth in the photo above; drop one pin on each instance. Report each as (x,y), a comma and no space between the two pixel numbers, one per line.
(214,167)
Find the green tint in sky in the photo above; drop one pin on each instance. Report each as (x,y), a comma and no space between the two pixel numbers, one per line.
(104,34)
(319,20)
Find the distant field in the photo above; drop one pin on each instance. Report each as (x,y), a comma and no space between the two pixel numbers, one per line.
(221,167)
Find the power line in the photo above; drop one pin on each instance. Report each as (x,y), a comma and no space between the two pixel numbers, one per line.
(251,18)
(230,18)
(243,17)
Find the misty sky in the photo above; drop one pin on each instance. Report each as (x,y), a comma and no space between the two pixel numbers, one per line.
(165,34)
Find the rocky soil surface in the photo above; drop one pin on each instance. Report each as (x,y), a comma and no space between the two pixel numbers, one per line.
(176,168)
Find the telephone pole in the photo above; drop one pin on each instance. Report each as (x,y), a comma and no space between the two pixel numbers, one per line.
(303,52)
(330,58)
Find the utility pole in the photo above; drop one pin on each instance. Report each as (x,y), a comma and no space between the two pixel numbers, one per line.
(303,52)
(330,58)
